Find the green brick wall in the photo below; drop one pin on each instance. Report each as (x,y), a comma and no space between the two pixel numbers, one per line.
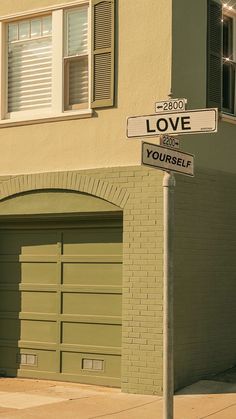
(204,267)
(204,275)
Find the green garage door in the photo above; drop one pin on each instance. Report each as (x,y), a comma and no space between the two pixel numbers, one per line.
(60,306)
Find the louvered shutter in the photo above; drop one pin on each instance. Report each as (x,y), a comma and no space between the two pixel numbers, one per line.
(103,53)
(29,75)
(214,55)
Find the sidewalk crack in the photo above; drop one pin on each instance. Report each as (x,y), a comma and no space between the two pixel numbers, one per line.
(123,410)
(218,411)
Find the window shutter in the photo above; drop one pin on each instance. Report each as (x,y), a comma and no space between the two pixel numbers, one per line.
(214,55)
(103,53)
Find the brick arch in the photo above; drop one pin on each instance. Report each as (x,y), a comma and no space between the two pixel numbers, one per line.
(69,181)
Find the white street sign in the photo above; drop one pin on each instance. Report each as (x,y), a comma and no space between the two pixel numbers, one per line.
(166,159)
(170,105)
(198,121)
(167,141)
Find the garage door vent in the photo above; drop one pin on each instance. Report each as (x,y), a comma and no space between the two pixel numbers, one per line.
(28,359)
(92,364)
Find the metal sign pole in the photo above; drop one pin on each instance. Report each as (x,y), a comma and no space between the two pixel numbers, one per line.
(168,367)
(171,119)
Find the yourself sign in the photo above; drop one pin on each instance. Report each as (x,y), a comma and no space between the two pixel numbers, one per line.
(167,159)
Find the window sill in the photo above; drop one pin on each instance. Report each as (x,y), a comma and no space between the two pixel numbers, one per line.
(228,118)
(40,119)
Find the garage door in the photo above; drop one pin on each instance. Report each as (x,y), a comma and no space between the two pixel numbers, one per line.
(60,306)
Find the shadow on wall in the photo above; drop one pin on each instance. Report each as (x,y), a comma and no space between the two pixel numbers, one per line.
(18,306)
(10,306)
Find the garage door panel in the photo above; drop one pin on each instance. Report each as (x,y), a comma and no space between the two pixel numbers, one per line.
(8,357)
(91,304)
(41,331)
(92,258)
(10,328)
(10,272)
(90,364)
(92,235)
(25,242)
(91,334)
(39,273)
(92,241)
(39,244)
(10,301)
(92,249)
(92,273)
(45,360)
(10,243)
(39,302)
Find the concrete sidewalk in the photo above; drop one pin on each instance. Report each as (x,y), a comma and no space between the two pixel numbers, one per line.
(33,399)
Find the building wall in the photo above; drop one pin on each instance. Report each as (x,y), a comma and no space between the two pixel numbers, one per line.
(204,276)
(204,266)
(142,76)
(189,71)
(138,191)
(50,155)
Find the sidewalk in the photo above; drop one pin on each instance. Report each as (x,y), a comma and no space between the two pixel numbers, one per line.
(33,399)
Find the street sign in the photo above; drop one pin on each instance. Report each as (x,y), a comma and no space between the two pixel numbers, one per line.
(166,159)
(167,141)
(198,121)
(170,105)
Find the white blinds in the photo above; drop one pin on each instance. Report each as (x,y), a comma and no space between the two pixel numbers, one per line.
(30,61)
(76,53)
(29,66)
(78,81)
(77,32)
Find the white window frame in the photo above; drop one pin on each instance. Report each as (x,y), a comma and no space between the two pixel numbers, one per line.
(56,111)
(232,14)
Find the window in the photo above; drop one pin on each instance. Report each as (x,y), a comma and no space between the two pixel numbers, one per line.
(228,80)
(76,58)
(27,359)
(29,64)
(60,62)
(92,364)
(221,63)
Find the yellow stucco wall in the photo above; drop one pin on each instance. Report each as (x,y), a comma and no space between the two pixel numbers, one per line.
(143,64)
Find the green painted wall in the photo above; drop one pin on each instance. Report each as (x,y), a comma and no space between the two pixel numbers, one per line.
(189,64)
(204,276)
(57,202)
(205,220)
